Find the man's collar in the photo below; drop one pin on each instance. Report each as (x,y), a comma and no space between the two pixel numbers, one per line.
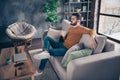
(76,25)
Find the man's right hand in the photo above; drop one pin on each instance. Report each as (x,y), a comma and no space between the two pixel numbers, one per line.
(93,43)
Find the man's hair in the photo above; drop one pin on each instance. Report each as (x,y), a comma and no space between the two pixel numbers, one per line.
(78,16)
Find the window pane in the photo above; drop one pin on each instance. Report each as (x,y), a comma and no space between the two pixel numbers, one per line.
(110,26)
(110,7)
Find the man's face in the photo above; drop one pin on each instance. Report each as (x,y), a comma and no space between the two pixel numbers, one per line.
(73,20)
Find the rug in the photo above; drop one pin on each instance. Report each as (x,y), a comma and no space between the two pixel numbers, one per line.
(48,73)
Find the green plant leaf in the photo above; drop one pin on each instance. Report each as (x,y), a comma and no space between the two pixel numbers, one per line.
(7,58)
(50,8)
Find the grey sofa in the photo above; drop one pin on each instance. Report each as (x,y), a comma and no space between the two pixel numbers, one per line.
(105,65)
(102,66)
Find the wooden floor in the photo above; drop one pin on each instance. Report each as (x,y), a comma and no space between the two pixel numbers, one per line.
(36,44)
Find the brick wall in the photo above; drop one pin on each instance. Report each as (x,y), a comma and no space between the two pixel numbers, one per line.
(30,11)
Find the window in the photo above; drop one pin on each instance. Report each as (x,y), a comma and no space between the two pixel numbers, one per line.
(109,19)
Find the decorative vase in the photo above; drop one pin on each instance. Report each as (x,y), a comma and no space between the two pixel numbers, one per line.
(78,0)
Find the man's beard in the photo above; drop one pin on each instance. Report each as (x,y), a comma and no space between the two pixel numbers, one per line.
(73,24)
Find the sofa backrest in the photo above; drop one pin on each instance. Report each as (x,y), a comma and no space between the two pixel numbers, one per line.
(65,25)
(109,47)
(102,44)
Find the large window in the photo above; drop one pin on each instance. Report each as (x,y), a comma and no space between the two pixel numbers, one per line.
(109,19)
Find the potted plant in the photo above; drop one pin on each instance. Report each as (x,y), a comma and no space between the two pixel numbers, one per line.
(50,8)
(8,59)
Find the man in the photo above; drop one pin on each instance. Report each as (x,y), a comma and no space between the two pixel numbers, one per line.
(59,49)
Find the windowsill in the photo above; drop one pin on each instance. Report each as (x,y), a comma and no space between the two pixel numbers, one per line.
(115,36)
(111,37)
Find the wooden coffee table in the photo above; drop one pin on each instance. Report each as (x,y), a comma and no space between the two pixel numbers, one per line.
(9,71)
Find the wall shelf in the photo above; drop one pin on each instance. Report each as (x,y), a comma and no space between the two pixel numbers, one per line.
(77,2)
(84,8)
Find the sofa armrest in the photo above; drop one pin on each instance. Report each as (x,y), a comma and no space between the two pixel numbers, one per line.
(104,66)
(44,34)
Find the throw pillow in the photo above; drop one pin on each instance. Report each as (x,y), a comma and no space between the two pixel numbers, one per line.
(77,54)
(86,41)
(55,27)
(98,40)
(73,48)
(54,34)
(100,43)
(65,25)
(83,43)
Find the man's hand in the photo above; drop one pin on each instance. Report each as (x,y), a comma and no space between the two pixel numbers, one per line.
(63,34)
(93,43)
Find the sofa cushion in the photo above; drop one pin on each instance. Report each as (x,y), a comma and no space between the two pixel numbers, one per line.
(73,48)
(109,47)
(98,40)
(86,41)
(54,34)
(77,54)
(63,33)
(55,27)
(65,25)
(100,43)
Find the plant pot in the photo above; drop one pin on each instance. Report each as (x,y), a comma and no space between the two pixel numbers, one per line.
(9,61)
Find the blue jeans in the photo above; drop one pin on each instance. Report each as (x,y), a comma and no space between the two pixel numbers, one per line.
(58,49)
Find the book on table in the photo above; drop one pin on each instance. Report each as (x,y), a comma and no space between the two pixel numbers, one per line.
(20,57)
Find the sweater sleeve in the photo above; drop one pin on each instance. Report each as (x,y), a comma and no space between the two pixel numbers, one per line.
(88,31)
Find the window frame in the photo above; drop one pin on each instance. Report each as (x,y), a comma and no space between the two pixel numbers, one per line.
(98,19)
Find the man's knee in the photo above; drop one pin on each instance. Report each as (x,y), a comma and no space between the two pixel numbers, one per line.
(52,52)
(47,38)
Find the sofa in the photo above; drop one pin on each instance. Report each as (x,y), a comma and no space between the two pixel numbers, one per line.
(104,65)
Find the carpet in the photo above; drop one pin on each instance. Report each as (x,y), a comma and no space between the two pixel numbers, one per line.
(48,73)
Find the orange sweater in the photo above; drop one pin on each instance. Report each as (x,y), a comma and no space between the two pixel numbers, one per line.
(74,35)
